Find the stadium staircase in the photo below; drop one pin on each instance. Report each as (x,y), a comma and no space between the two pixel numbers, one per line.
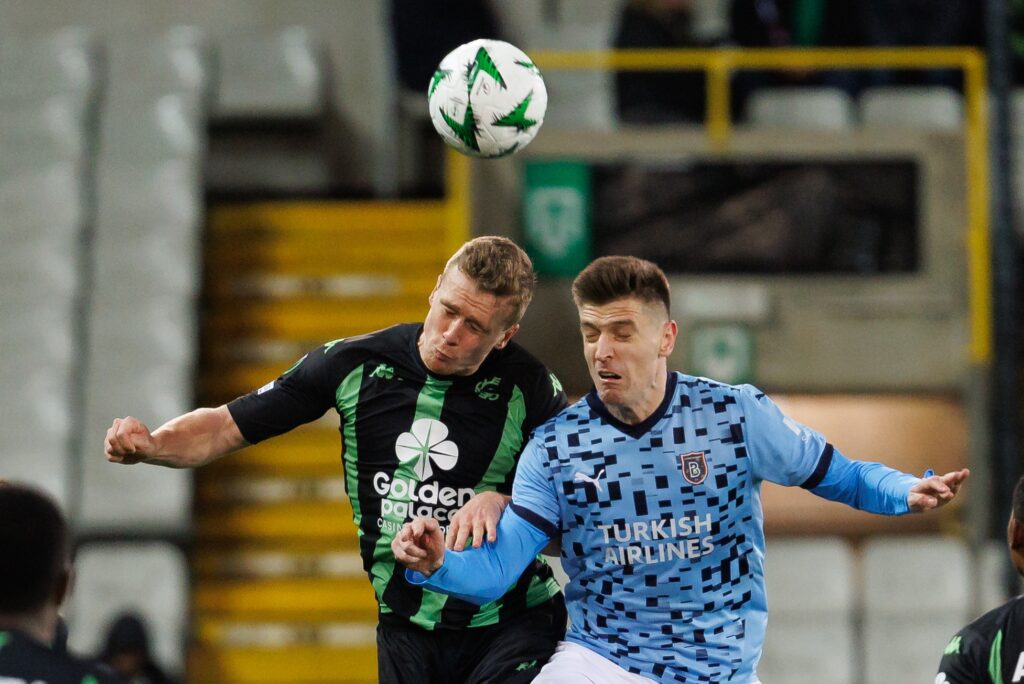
(279,593)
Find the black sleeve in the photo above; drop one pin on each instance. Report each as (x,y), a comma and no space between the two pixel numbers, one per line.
(546,399)
(301,394)
(965,660)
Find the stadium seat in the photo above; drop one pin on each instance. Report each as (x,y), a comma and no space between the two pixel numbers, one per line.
(41,198)
(150,579)
(811,636)
(42,65)
(917,594)
(178,62)
(151,128)
(993,563)
(165,329)
(278,75)
(33,126)
(935,108)
(826,109)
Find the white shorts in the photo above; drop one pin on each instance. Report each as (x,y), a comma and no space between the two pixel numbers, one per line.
(578,664)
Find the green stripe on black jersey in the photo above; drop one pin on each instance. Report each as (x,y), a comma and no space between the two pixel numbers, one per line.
(347,400)
(399,465)
(995,659)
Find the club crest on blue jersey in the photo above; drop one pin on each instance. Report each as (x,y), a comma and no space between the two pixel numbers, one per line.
(694,466)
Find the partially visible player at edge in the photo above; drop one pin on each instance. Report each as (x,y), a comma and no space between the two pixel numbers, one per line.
(652,481)
(990,650)
(430,414)
(35,578)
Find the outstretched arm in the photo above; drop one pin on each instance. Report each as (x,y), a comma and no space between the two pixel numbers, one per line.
(188,441)
(877,488)
(477,575)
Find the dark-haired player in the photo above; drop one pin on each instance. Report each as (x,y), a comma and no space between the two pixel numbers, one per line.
(35,574)
(652,482)
(430,414)
(990,650)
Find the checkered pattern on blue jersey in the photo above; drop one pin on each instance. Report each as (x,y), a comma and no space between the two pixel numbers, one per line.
(661,524)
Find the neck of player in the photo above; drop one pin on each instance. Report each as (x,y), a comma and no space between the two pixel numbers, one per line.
(650,398)
(41,625)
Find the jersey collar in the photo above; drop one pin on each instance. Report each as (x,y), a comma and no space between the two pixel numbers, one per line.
(640,429)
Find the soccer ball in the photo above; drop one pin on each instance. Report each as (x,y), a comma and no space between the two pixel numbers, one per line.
(487,99)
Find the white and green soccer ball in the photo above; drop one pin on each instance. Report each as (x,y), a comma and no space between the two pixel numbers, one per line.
(487,99)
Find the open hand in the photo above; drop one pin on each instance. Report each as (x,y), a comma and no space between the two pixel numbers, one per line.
(479,517)
(936,491)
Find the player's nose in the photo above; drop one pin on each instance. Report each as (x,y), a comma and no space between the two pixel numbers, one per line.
(452,333)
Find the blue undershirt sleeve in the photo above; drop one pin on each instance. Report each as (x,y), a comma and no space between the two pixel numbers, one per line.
(867,486)
(485,574)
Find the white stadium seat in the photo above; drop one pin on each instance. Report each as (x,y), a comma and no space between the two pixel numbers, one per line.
(917,596)
(271,75)
(825,109)
(40,65)
(176,62)
(811,637)
(934,108)
(152,128)
(150,579)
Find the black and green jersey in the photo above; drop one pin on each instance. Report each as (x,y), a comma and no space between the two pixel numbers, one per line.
(415,444)
(23,659)
(990,650)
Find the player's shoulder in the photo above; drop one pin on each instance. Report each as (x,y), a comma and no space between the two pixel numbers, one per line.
(393,344)
(697,390)
(395,338)
(568,420)
(23,657)
(985,628)
(516,360)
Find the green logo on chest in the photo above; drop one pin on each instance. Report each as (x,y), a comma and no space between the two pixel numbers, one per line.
(484,387)
(383,371)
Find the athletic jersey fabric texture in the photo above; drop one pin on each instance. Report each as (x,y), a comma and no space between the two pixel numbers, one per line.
(990,650)
(661,524)
(23,659)
(415,444)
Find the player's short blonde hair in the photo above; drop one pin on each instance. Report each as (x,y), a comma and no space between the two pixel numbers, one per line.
(498,266)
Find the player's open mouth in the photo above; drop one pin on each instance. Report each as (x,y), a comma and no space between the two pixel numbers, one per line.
(608,375)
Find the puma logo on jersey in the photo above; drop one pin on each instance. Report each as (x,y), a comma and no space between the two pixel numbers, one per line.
(583,477)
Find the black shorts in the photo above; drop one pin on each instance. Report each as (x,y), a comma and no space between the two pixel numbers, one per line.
(507,653)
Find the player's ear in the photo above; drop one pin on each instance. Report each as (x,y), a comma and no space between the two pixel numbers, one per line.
(62,588)
(437,286)
(1015,534)
(507,336)
(669,332)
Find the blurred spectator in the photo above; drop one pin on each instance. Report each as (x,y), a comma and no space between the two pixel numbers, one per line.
(127,652)
(35,577)
(794,23)
(658,96)
(921,23)
(424,32)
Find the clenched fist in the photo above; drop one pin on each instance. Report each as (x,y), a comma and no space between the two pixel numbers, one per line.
(129,441)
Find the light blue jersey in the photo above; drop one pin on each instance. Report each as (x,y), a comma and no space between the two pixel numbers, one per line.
(661,524)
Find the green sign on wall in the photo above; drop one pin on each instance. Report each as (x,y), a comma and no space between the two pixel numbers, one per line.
(556,213)
(722,352)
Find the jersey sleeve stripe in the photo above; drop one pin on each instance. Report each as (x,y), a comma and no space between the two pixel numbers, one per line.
(821,469)
(536,520)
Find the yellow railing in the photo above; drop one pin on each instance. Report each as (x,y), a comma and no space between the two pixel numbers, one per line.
(718,66)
